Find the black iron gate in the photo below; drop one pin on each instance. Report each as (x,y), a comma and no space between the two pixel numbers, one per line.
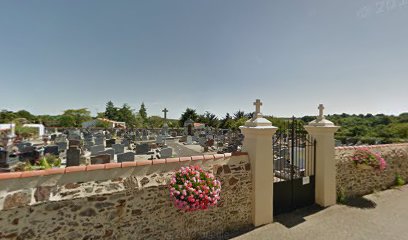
(294,168)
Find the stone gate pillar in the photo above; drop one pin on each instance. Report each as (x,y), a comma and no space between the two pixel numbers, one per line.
(325,176)
(258,134)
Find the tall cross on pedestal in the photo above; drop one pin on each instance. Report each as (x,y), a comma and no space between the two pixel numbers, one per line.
(165,113)
(321,108)
(257,105)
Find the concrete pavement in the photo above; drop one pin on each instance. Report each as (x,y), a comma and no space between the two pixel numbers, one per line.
(382,215)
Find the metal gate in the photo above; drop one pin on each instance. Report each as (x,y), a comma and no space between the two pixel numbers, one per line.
(294,168)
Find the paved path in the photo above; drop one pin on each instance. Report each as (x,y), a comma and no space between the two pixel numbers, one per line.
(180,150)
(383,215)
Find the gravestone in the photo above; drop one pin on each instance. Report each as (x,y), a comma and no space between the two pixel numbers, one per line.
(173,134)
(73,156)
(31,156)
(126,142)
(119,148)
(3,159)
(96,149)
(125,157)
(22,145)
(189,140)
(52,149)
(100,159)
(166,153)
(99,140)
(110,142)
(74,143)
(160,140)
(142,148)
(62,146)
(111,153)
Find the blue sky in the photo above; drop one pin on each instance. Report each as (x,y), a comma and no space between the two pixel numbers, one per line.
(216,56)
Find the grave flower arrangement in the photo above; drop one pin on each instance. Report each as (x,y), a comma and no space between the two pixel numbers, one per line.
(192,188)
(364,158)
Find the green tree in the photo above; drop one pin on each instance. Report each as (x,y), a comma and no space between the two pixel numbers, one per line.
(188,114)
(125,114)
(111,112)
(27,115)
(155,122)
(78,115)
(143,111)
(66,121)
(227,122)
(7,116)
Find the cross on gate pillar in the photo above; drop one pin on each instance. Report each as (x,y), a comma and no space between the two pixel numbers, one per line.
(325,182)
(258,134)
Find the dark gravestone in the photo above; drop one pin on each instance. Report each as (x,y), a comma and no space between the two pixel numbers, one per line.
(119,148)
(142,148)
(3,159)
(31,156)
(111,152)
(100,159)
(96,149)
(110,142)
(62,146)
(73,156)
(74,143)
(99,140)
(52,149)
(53,137)
(126,157)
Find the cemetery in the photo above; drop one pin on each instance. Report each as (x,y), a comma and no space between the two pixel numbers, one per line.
(114,183)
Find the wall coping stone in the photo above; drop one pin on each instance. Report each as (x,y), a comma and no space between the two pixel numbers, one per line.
(107,166)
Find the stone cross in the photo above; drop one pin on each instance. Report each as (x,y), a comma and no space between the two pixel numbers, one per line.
(165,113)
(257,105)
(321,108)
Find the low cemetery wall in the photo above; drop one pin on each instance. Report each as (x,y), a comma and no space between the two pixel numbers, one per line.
(353,181)
(128,200)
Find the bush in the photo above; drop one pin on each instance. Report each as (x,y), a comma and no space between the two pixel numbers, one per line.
(193,189)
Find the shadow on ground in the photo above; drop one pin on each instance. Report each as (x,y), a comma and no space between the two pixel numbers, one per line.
(297,217)
(360,202)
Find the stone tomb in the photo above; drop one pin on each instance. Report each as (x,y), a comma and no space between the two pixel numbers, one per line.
(125,157)
(100,159)
(99,140)
(3,159)
(62,146)
(189,140)
(119,148)
(96,149)
(166,153)
(73,156)
(74,143)
(52,149)
(110,151)
(110,142)
(142,148)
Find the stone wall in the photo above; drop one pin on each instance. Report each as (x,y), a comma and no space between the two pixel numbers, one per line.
(353,181)
(121,201)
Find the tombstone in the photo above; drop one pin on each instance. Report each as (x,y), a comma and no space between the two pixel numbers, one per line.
(111,153)
(3,159)
(74,143)
(99,140)
(142,148)
(126,142)
(125,157)
(73,156)
(160,140)
(110,142)
(173,134)
(100,159)
(52,149)
(62,146)
(96,149)
(119,148)
(53,137)
(31,156)
(21,146)
(189,140)
(166,153)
